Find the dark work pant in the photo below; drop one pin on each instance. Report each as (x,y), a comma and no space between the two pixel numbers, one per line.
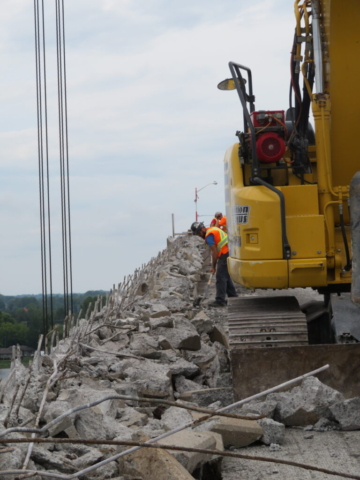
(224,284)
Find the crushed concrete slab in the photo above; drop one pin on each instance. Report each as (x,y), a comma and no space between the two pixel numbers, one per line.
(235,432)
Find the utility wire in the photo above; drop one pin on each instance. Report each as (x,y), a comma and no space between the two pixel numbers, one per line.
(40,161)
(43,162)
(61,148)
(47,168)
(67,160)
(64,157)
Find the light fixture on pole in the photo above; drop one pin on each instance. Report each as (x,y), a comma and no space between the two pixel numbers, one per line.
(197,190)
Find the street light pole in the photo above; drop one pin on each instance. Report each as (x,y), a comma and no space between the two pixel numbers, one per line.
(196,198)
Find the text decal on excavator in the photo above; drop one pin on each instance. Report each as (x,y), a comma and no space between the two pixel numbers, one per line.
(241,214)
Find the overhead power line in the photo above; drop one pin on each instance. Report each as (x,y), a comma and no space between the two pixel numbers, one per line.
(43,162)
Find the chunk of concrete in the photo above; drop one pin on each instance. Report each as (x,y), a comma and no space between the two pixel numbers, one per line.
(207,360)
(347,413)
(184,336)
(175,417)
(235,432)
(183,385)
(90,458)
(158,310)
(141,344)
(205,397)
(154,464)
(164,343)
(129,416)
(306,404)
(202,323)
(274,432)
(151,379)
(183,367)
(325,425)
(165,322)
(190,439)
(52,460)
(12,460)
(89,394)
(222,354)
(267,408)
(91,423)
(218,334)
(54,410)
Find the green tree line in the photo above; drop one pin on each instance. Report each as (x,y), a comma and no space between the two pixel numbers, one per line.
(21,317)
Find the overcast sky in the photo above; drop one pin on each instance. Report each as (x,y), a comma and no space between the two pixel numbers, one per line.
(146,124)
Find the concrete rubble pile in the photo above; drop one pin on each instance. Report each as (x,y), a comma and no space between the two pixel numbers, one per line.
(160,347)
(157,346)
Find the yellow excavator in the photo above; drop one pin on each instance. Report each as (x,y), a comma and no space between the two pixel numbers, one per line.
(292,194)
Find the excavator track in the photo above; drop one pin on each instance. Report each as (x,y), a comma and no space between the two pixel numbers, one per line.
(268,339)
(266,322)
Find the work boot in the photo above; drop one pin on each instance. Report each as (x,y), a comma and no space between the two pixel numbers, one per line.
(216,304)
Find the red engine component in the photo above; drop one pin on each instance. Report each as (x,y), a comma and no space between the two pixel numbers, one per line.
(268,118)
(270,147)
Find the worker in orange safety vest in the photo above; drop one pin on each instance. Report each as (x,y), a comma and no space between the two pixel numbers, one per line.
(217,240)
(219,221)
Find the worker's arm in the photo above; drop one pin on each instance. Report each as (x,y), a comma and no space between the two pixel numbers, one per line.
(214,257)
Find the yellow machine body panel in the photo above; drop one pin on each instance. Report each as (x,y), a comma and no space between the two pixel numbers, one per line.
(256,274)
(256,257)
(342,68)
